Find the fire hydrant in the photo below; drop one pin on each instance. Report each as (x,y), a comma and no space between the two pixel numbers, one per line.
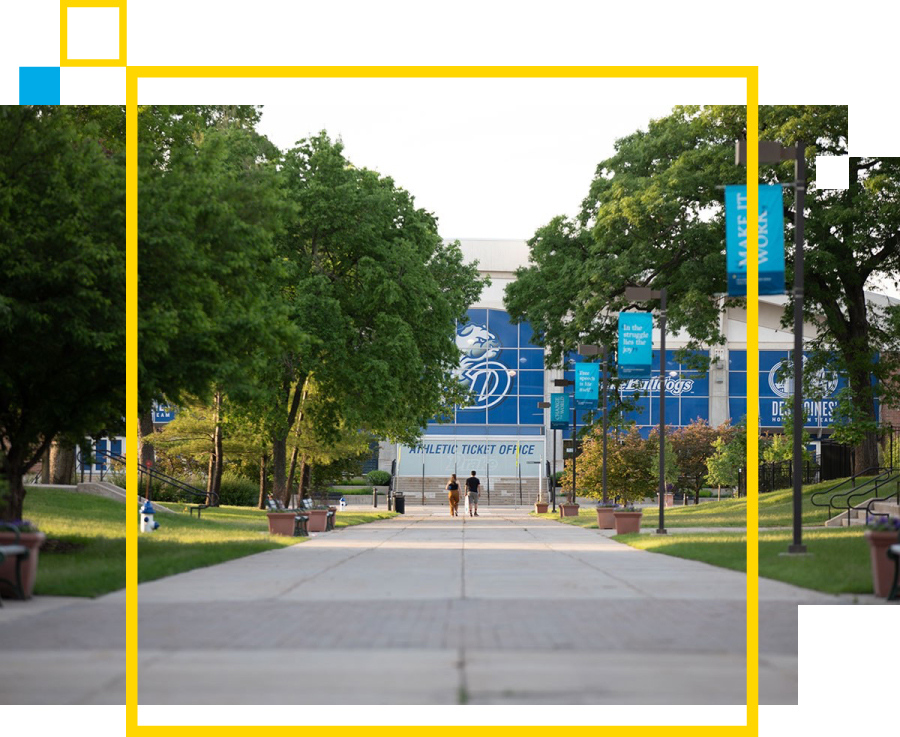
(343,503)
(147,522)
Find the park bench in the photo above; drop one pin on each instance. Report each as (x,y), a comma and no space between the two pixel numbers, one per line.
(20,553)
(307,504)
(300,519)
(894,554)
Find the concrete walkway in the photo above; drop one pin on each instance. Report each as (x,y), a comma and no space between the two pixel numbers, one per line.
(420,609)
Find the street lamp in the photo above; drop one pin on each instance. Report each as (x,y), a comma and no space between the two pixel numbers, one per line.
(547,405)
(642,294)
(563,383)
(773,152)
(593,350)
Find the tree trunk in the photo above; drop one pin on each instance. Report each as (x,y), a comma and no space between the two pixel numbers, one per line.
(279,467)
(45,467)
(11,502)
(866,453)
(218,459)
(262,482)
(304,478)
(293,468)
(146,454)
(62,462)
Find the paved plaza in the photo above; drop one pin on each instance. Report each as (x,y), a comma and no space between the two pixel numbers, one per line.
(420,609)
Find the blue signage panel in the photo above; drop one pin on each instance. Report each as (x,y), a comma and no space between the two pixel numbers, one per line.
(162,413)
(771,239)
(504,373)
(635,343)
(559,411)
(587,384)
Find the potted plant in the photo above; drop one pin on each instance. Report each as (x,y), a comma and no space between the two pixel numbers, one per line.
(318,517)
(20,532)
(628,519)
(882,532)
(605,510)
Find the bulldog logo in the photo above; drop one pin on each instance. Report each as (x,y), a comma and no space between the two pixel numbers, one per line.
(489,380)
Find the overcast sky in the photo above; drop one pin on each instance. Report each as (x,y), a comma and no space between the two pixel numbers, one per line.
(490,158)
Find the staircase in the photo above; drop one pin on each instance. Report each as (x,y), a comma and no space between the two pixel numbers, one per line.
(857,514)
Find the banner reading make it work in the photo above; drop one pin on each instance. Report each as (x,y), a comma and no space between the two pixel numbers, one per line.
(771,239)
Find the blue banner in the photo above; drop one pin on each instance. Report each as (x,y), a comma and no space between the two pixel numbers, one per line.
(771,239)
(635,353)
(559,411)
(587,384)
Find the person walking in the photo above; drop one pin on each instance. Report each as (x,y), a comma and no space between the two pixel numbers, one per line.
(473,486)
(453,488)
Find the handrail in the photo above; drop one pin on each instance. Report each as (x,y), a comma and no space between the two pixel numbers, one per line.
(879,472)
(166,479)
(870,487)
(874,500)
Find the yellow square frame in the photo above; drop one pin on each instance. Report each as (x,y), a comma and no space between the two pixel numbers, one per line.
(749,73)
(64,60)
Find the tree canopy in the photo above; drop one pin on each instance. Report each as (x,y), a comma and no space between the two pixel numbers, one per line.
(654,217)
(62,286)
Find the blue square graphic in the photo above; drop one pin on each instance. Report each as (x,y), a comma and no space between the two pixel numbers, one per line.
(39,85)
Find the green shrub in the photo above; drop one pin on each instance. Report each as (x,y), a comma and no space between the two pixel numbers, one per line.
(378,478)
(238,491)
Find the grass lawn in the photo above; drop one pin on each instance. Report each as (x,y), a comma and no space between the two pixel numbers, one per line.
(775,510)
(89,557)
(839,562)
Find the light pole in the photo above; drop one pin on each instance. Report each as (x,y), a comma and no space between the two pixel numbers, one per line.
(564,383)
(547,405)
(773,152)
(593,350)
(642,294)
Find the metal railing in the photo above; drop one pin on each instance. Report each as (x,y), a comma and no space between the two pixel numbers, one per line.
(861,484)
(210,499)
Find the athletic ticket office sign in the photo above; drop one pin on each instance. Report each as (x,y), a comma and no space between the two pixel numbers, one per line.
(771,239)
(635,354)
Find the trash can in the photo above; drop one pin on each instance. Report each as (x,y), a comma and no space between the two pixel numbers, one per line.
(399,503)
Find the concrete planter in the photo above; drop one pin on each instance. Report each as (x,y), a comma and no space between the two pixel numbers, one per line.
(882,566)
(317,520)
(281,523)
(605,518)
(568,510)
(541,507)
(627,522)
(32,541)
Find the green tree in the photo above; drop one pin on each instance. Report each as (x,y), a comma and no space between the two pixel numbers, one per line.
(375,292)
(62,288)
(654,217)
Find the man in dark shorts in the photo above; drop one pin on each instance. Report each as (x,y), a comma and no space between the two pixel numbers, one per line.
(473,486)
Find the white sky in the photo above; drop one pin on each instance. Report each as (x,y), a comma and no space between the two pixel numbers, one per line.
(490,158)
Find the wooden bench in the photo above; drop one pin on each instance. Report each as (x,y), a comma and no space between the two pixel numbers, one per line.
(894,553)
(20,552)
(300,519)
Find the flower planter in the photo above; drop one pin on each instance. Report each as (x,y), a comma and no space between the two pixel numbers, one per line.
(317,520)
(882,566)
(627,522)
(541,507)
(281,523)
(32,541)
(670,499)
(568,510)
(605,518)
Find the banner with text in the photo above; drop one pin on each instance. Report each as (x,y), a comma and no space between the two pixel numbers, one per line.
(635,353)
(559,411)
(771,239)
(587,385)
